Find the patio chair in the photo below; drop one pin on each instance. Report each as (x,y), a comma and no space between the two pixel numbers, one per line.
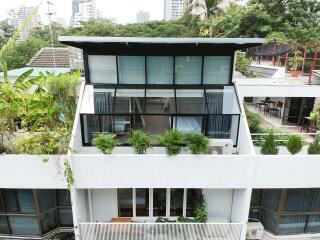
(277,109)
(262,103)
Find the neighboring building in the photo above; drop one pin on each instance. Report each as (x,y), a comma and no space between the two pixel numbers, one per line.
(173,9)
(61,21)
(143,17)
(19,15)
(83,11)
(50,57)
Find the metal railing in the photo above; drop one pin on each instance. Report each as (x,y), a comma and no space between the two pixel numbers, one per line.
(160,231)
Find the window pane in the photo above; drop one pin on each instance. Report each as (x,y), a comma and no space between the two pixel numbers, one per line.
(160,101)
(292,224)
(131,69)
(216,69)
(142,202)
(223,101)
(63,197)
(254,213)
(268,220)
(160,70)
(49,221)
(192,197)
(10,200)
(313,225)
(1,204)
(299,200)
(188,70)
(26,202)
(176,202)
(46,199)
(190,101)
(103,69)
(65,217)
(188,123)
(256,197)
(125,202)
(271,198)
(316,201)
(130,101)
(159,202)
(103,101)
(223,126)
(24,225)
(4,229)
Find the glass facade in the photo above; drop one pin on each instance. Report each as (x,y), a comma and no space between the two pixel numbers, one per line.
(215,113)
(125,203)
(159,202)
(20,216)
(160,70)
(176,201)
(142,202)
(287,211)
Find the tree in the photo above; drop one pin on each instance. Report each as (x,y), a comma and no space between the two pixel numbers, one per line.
(6,31)
(43,32)
(20,53)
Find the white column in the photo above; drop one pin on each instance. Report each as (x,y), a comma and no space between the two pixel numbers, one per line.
(89,193)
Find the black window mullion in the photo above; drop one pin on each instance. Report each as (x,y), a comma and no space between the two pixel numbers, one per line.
(145,71)
(202,63)
(17,201)
(145,100)
(38,215)
(117,66)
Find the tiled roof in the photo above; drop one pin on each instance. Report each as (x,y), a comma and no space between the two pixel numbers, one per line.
(50,57)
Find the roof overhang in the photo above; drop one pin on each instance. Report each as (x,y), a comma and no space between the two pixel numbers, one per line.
(159,46)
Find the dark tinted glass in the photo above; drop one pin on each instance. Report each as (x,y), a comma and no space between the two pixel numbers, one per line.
(176,202)
(49,221)
(313,225)
(26,201)
(299,200)
(46,199)
(24,225)
(271,198)
(159,202)
(63,197)
(125,202)
(10,199)
(4,229)
(268,220)
(142,202)
(256,197)
(292,224)
(65,217)
(192,197)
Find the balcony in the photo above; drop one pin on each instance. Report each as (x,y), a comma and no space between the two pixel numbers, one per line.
(157,231)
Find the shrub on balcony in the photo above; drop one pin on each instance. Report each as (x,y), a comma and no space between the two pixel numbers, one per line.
(105,142)
(200,211)
(140,141)
(314,147)
(270,145)
(294,144)
(197,143)
(172,140)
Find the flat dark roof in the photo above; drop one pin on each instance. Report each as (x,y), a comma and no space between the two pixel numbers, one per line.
(159,46)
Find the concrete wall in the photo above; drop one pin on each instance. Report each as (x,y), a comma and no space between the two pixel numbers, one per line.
(104,204)
(32,171)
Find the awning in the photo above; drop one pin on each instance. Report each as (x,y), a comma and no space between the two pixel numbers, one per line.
(160,231)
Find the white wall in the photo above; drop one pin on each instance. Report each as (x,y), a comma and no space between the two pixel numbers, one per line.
(159,170)
(104,204)
(219,203)
(82,205)
(32,171)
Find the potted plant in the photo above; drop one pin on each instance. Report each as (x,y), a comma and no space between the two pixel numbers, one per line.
(295,64)
(105,142)
(270,145)
(197,143)
(140,141)
(172,140)
(294,144)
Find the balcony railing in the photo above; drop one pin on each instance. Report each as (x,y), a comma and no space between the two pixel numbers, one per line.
(157,231)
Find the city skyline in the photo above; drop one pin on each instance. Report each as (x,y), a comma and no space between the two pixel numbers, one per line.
(109,9)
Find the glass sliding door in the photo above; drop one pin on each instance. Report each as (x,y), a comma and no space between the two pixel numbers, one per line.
(125,202)
(159,202)
(176,201)
(142,202)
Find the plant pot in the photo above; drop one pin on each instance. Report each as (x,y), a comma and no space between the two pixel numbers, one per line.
(295,73)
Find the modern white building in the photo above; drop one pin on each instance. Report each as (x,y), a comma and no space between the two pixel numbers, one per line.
(19,15)
(143,17)
(83,11)
(173,9)
(156,84)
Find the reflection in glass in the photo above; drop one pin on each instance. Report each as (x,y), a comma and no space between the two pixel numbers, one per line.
(188,70)
(21,225)
(65,217)
(63,197)
(192,197)
(271,198)
(160,70)
(131,69)
(176,201)
(216,69)
(4,228)
(268,220)
(313,225)
(103,69)
(292,224)
(125,202)
(191,101)
(49,221)
(299,200)
(159,202)
(19,200)
(46,199)
(160,101)
(142,202)
(188,123)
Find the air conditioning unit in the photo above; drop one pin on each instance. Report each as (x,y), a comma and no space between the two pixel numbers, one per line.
(220,146)
(254,230)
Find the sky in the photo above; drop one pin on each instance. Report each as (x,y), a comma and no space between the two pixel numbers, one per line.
(123,11)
